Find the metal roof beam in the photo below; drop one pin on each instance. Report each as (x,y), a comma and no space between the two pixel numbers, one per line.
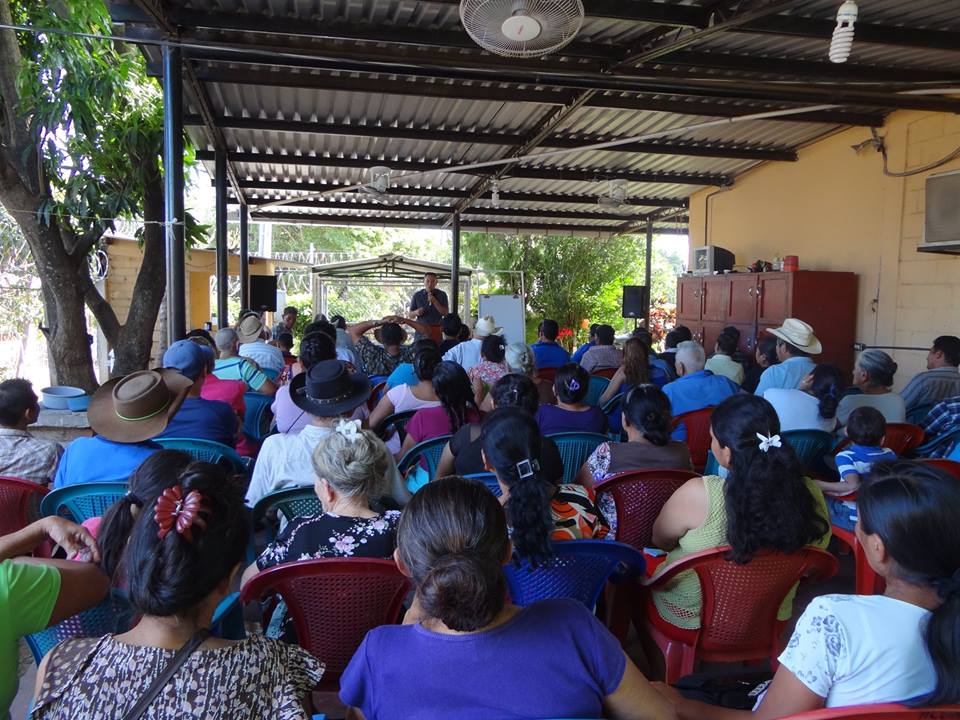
(808,69)
(350,31)
(815,28)
(637,11)
(387,221)
(601,214)
(540,173)
(389,132)
(506,195)
(492,92)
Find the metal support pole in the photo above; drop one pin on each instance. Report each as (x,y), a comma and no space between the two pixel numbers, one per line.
(244,258)
(223,267)
(648,272)
(173,192)
(455,267)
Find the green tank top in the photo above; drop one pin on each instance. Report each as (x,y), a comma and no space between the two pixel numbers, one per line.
(680,600)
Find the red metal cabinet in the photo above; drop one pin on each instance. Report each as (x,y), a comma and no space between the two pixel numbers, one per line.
(758,301)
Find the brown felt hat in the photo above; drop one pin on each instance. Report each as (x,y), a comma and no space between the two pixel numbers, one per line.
(138,406)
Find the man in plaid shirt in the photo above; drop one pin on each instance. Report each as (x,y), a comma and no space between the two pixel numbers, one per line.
(21,454)
(942,420)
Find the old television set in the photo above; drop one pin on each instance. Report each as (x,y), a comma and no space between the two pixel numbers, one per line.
(710,259)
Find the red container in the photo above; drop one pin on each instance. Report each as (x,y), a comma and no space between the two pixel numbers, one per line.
(791,263)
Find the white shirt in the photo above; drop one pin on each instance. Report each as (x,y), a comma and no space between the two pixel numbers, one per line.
(465,354)
(285,461)
(858,649)
(890,405)
(798,410)
(266,356)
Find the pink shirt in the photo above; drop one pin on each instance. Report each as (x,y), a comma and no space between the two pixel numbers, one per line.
(231,392)
(433,422)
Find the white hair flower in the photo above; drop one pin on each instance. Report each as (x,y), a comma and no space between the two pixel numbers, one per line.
(350,429)
(768,442)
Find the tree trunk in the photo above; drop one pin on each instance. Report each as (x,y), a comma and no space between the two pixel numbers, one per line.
(135,339)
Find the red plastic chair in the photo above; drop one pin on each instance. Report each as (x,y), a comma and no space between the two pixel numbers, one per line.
(738,618)
(639,496)
(698,434)
(608,373)
(884,711)
(949,466)
(866,581)
(899,437)
(902,437)
(334,603)
(17,498)
(375,394)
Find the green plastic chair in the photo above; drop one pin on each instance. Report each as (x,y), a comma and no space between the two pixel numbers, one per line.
(575,448)
(207,451)
(82,501)
(426,456)
(810,446)
(595,389)
(257,417)
(290,503)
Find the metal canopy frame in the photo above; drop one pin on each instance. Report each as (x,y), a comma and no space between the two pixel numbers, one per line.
(285,100)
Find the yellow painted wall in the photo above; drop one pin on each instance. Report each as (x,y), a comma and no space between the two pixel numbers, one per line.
(836,210)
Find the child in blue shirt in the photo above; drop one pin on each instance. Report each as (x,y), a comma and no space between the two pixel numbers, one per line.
(865,428)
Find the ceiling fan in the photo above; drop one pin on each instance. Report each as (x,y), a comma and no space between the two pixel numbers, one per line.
(521,28)
(616,197)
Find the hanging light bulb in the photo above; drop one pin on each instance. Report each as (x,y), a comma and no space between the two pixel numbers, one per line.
(842,42)
(495,193)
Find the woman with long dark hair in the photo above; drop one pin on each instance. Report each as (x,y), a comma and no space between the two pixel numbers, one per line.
(404,397)
(183,556)
(463,454)
(902,646)
(635,370)
(812,405)
(765,502)
(571,413)
(456,408)
(477,655)
(539,511)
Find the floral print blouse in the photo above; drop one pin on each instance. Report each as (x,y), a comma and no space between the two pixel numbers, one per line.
(327,535)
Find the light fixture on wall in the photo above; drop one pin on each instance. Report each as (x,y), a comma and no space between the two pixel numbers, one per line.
(842,42)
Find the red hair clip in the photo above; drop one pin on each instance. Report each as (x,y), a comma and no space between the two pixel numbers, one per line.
(175,511)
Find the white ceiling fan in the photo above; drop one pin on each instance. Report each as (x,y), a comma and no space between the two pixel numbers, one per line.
(616,197)
(521,28)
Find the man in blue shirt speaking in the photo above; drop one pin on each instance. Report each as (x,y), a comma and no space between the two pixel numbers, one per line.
(795,344)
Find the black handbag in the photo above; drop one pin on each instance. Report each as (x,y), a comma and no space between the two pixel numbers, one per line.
(736,689)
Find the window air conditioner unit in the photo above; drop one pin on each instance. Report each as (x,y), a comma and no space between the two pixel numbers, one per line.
(941,229)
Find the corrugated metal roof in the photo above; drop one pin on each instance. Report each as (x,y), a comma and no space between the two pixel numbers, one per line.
(443,83)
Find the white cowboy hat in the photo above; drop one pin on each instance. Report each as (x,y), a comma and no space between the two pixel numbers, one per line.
(485,326)
(799,334)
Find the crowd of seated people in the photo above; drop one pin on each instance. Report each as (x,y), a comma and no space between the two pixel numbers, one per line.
(175,542)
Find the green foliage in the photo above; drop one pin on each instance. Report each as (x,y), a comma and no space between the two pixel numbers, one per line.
(97,116)
(572,279)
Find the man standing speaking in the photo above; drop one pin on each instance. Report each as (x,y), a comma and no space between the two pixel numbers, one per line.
(429,305)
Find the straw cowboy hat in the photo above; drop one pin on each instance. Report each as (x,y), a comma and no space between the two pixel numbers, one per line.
(799,334)
(138,406)
(327,389)
(249,329)
(485,326)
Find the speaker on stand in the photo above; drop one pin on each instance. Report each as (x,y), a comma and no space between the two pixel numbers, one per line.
(263,293)
(636,302)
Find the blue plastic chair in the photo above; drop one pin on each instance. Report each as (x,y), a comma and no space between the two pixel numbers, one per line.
(712,467)
(398,421)
(575,448)
(113,615)
(488,479)
(257,418)
(82,501)
(426,456)
(810,446)
(595,389)
(207,451)
(290,503)
(579,569)
(613,409)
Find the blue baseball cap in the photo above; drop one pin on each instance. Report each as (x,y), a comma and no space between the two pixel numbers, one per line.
(188,358)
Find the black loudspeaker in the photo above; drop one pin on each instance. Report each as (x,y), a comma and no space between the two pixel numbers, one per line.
(263,293)
(636,299)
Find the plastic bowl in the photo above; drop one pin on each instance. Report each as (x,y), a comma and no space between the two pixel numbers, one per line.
(78,404)
(57,397)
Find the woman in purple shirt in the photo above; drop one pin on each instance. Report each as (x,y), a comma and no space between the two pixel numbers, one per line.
(571,414)
(473,655)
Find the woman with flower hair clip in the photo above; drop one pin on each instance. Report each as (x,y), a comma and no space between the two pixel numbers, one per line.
(571,414)
(184,553)
(765,502)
